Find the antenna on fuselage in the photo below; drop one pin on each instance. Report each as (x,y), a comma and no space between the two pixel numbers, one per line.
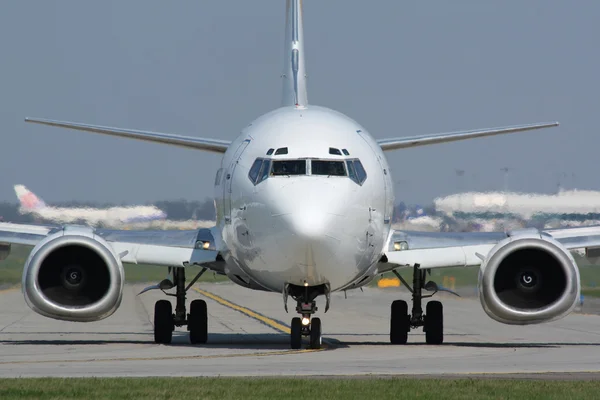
(294,73)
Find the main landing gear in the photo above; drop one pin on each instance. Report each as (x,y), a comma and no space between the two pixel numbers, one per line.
(432,321)
(165,320)
(306,307)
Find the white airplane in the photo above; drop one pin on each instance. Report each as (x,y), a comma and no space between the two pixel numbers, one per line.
(113,216)
(304,199)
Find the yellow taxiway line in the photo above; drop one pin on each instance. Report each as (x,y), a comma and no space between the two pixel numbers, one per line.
(252,314)
(259,317)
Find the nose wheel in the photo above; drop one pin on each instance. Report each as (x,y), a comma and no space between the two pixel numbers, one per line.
(312,330)
(401,322)
(315,333)
(306,326)
(296,333)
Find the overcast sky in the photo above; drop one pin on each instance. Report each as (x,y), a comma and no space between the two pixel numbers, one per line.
(207,68)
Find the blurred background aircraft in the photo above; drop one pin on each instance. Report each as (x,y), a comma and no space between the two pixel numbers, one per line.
(29,203)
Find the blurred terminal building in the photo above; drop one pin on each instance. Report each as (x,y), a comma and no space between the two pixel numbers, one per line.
(497,211)
(509,210)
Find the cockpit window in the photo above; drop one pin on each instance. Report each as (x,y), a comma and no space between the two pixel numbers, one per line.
(351,170)
(281,150)
(335,151)
(329,168)
(262,168)
(288,167)
(259,170)
(254,170)
(356,172)
(264,171)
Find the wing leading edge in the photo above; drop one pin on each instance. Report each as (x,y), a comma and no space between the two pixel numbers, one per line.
(212,145)
(457,249)
(180,248)
(413,141)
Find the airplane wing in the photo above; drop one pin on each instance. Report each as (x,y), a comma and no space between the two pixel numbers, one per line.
(212,145)
(177,248)
(468,249)
(413,141)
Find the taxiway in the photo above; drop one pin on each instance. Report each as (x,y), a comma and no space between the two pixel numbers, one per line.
(247,337)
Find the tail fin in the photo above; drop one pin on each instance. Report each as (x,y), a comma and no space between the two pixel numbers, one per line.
(27,199)
(294,73)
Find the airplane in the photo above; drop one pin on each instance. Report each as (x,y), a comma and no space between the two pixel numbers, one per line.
(113,216)
(303,198)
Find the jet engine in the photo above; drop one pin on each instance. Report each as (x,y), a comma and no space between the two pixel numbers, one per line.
(73,275)
(528,279)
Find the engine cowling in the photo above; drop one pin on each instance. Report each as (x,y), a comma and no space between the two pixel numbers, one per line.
(73,275)
(528,279)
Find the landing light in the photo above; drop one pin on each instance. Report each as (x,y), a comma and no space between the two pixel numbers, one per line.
(305,321)
(202,244)
(400,246)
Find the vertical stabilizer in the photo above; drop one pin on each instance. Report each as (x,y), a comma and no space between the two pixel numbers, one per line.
(294,73)
(27,199)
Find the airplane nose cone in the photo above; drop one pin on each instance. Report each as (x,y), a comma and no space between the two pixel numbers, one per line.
(308,224)
(308,243)
(314,233)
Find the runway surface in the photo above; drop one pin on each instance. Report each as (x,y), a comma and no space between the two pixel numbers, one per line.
(247,338)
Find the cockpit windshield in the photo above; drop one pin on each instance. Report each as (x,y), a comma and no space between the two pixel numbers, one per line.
(288,167)
(329,168)
(263,168)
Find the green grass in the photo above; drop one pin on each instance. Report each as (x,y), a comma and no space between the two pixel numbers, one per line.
(11,270)
(462,276)
(287,388)
(591,292)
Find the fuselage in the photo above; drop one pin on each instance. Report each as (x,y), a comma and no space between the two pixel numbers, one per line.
(293,206)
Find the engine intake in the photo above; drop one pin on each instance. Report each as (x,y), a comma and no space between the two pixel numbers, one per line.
(74,277)
(528,279)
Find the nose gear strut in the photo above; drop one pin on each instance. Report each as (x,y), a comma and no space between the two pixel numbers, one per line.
(306,307)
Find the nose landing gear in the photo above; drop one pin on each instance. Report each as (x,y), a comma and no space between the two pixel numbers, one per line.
(306,326)
(432,321)
(306,306)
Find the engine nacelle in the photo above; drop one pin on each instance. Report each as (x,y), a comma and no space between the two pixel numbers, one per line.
(73,275)
(529,279)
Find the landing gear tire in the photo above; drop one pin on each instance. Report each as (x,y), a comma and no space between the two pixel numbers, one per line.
(163,322)
(296,333)
(315,333)
(434,323)
(399,322)
(198,322)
